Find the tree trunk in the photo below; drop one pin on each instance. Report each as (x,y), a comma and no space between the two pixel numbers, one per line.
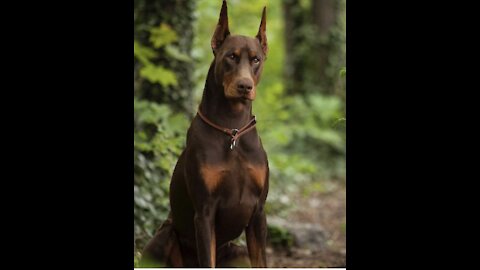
(314,43)
(294,60)
(324,16)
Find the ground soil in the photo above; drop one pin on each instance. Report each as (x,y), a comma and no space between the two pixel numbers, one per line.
(327,209)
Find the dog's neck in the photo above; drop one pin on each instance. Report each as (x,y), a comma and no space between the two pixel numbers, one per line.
(217,108)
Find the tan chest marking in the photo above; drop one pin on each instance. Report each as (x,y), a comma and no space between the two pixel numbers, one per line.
(258,174)
(212,176)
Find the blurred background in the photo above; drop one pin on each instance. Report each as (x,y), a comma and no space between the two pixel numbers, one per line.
(300,107)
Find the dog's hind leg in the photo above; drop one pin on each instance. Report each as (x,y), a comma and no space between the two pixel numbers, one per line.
(232,255)
(164,249)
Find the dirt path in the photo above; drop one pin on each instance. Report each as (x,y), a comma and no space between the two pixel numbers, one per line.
(325,210)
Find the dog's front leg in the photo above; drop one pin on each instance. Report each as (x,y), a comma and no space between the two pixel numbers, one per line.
(256,234)
(205,236)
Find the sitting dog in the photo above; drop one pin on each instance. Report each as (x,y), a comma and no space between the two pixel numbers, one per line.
(220,182)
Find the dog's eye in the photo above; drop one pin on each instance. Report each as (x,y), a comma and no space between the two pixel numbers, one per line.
(256,60)
(232,56)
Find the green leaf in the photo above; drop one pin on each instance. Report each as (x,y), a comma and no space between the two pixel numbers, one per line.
(175,53)
(159,74)
(143,53)
(162,35)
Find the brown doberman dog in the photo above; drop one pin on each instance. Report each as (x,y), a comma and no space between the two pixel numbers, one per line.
(220,183)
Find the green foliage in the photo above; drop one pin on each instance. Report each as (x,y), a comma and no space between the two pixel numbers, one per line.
(159,137)
(159,74)
(143,53)
(279,237)
(303,134)
(136,260)
(162,89)
(176,54)
(304,138)
(162,35)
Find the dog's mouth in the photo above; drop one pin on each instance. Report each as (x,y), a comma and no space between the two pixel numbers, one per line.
(241,99)
(234,95)
(248,96)
(245,97)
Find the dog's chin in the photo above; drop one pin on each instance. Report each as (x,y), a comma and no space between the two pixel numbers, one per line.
(247,98)
(240,98)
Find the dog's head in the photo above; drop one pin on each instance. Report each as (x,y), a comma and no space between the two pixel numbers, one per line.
(238,59)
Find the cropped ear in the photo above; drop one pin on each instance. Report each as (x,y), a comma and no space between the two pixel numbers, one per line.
(221,32)
(262,35)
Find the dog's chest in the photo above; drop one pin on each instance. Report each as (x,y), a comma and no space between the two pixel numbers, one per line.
(234,177)
(237,185)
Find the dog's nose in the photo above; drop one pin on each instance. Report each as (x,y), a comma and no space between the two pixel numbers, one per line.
(244,86)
